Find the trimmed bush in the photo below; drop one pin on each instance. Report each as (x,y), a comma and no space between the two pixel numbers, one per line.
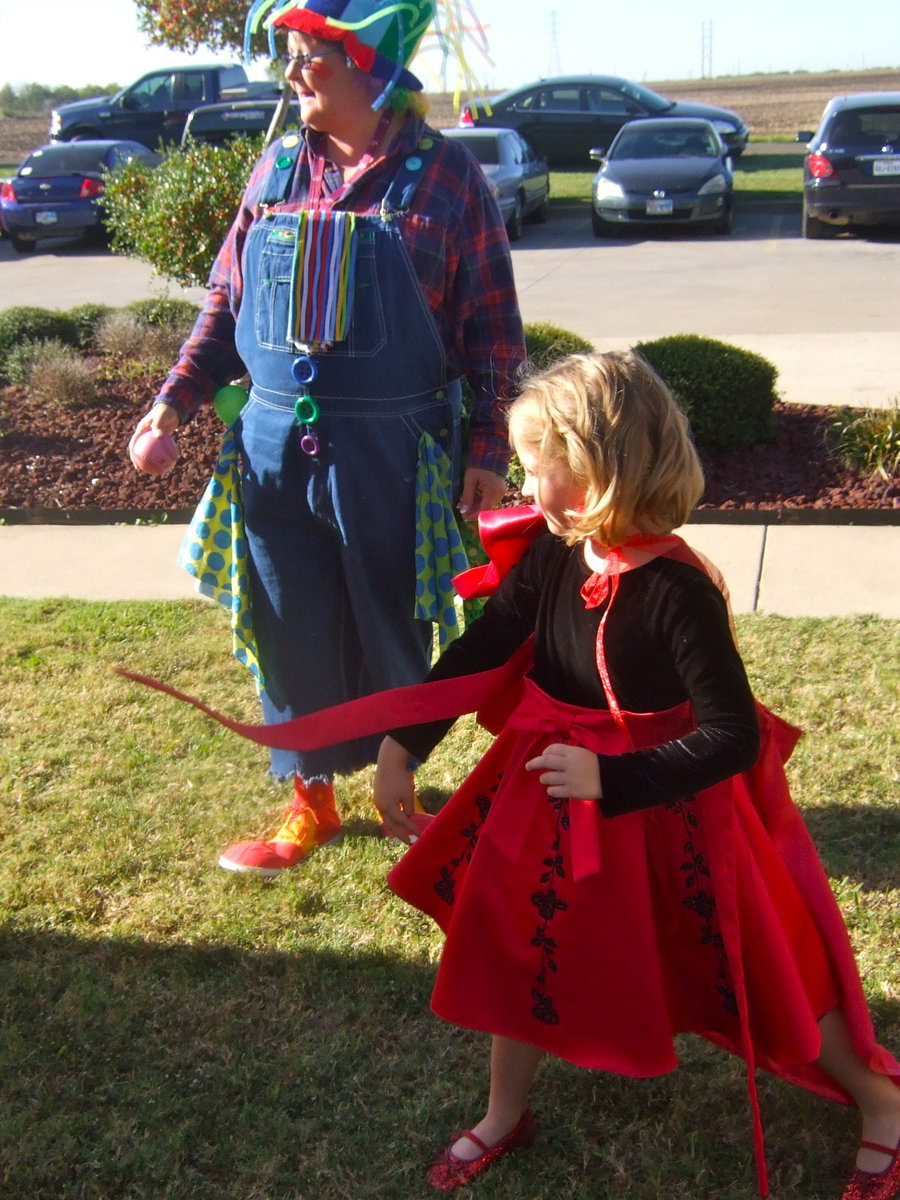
(547,344)
(24,322)
(728,393)
(176,217)
(87,318)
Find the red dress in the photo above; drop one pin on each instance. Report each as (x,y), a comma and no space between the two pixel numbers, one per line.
(598,939)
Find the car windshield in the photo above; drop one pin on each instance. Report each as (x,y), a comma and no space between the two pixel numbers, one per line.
(69,158)
(671,142)
(486,150)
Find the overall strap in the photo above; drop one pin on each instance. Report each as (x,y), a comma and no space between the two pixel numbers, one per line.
(402,187)
(398,197)
(276,185)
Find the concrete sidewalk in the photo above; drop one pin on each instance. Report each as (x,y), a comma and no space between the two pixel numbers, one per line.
(791,569)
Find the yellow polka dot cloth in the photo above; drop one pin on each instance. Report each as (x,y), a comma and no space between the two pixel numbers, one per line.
(214,552)
(439,548)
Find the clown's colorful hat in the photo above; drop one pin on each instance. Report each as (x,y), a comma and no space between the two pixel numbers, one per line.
(380,36)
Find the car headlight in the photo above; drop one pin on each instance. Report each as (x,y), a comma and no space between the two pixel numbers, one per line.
(605,189)
(55,123)
(713,187)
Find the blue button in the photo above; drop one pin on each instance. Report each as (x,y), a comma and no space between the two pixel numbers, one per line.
(414,163)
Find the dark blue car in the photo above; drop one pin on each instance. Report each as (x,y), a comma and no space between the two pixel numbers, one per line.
(58,190)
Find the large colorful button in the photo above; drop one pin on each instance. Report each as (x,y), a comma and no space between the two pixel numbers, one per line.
(304,369)
(290,140)
(306,410)
(414,163)
(283,160)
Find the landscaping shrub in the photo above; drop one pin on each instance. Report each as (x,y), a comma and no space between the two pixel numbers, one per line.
(23,323)
(20,359)
(87,318)
(868,440)
(60,375)
(160,311)
(728,393)
(176,216)
(120,335)
(547,344)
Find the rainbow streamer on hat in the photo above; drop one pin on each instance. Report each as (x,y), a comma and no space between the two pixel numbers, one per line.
(321,299)
(380,36)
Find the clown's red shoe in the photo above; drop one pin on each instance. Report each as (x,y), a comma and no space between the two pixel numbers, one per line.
(880,1185)
(310,822)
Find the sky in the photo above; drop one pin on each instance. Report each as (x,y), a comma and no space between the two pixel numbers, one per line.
(98,42)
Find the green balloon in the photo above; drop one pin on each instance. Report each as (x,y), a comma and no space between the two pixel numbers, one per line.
(228,402)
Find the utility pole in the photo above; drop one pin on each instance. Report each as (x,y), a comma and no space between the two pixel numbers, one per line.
(706,44)
(554,67)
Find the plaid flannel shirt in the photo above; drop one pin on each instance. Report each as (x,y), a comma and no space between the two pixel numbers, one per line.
(457,243)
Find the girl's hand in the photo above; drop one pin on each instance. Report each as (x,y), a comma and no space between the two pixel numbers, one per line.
(568,771)
(394,791)
(162,417)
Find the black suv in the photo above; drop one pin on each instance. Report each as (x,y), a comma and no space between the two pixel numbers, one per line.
(851,174)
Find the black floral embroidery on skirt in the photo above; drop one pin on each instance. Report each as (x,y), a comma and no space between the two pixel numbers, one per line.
(548,904)
(695,870)
(445,884)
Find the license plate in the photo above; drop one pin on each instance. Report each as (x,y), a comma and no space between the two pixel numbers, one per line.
(660,208)
(886,166)
(45,216)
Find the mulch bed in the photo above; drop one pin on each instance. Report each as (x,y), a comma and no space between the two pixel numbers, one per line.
(52,458)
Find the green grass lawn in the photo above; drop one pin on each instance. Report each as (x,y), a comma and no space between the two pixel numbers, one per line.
(174,1032)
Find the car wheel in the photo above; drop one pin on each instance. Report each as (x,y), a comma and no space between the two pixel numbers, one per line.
(542,212)
(602,228)
(514,224)
(726,221)
(22,245)
(812,227)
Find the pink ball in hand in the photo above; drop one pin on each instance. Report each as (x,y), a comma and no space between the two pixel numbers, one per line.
(154,452)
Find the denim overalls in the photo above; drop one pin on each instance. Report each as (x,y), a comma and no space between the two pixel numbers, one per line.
(332,537)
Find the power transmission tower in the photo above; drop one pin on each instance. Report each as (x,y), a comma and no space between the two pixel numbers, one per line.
(554,67)
(706,45)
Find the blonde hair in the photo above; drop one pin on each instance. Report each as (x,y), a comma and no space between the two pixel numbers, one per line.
(616,426)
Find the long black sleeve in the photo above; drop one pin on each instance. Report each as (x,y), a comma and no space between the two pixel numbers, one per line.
(667,640)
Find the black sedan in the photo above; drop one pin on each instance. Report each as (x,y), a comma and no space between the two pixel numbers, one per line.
(663,172)
(851,173)
(517,177)
(565,118)
(57,191)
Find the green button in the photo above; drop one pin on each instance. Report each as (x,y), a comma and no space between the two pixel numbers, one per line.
(283,160)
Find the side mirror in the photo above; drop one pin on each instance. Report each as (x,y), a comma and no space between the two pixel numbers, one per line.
(597,153)
(805,135)
(129,101)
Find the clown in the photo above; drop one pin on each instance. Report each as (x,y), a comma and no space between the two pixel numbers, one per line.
(367,273)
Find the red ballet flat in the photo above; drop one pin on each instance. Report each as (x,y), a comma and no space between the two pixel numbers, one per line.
(878,1185)
(449,1172)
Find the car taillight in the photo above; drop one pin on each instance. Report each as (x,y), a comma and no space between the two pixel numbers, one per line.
(819,166)
(91,188)
(466,119)
(7,192)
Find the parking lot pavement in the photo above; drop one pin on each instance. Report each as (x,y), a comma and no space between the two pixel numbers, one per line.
(826,313)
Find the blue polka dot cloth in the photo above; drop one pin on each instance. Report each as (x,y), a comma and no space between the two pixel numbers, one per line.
(214,552)
(439,549)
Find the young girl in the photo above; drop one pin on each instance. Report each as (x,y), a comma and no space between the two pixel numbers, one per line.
(625,864)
